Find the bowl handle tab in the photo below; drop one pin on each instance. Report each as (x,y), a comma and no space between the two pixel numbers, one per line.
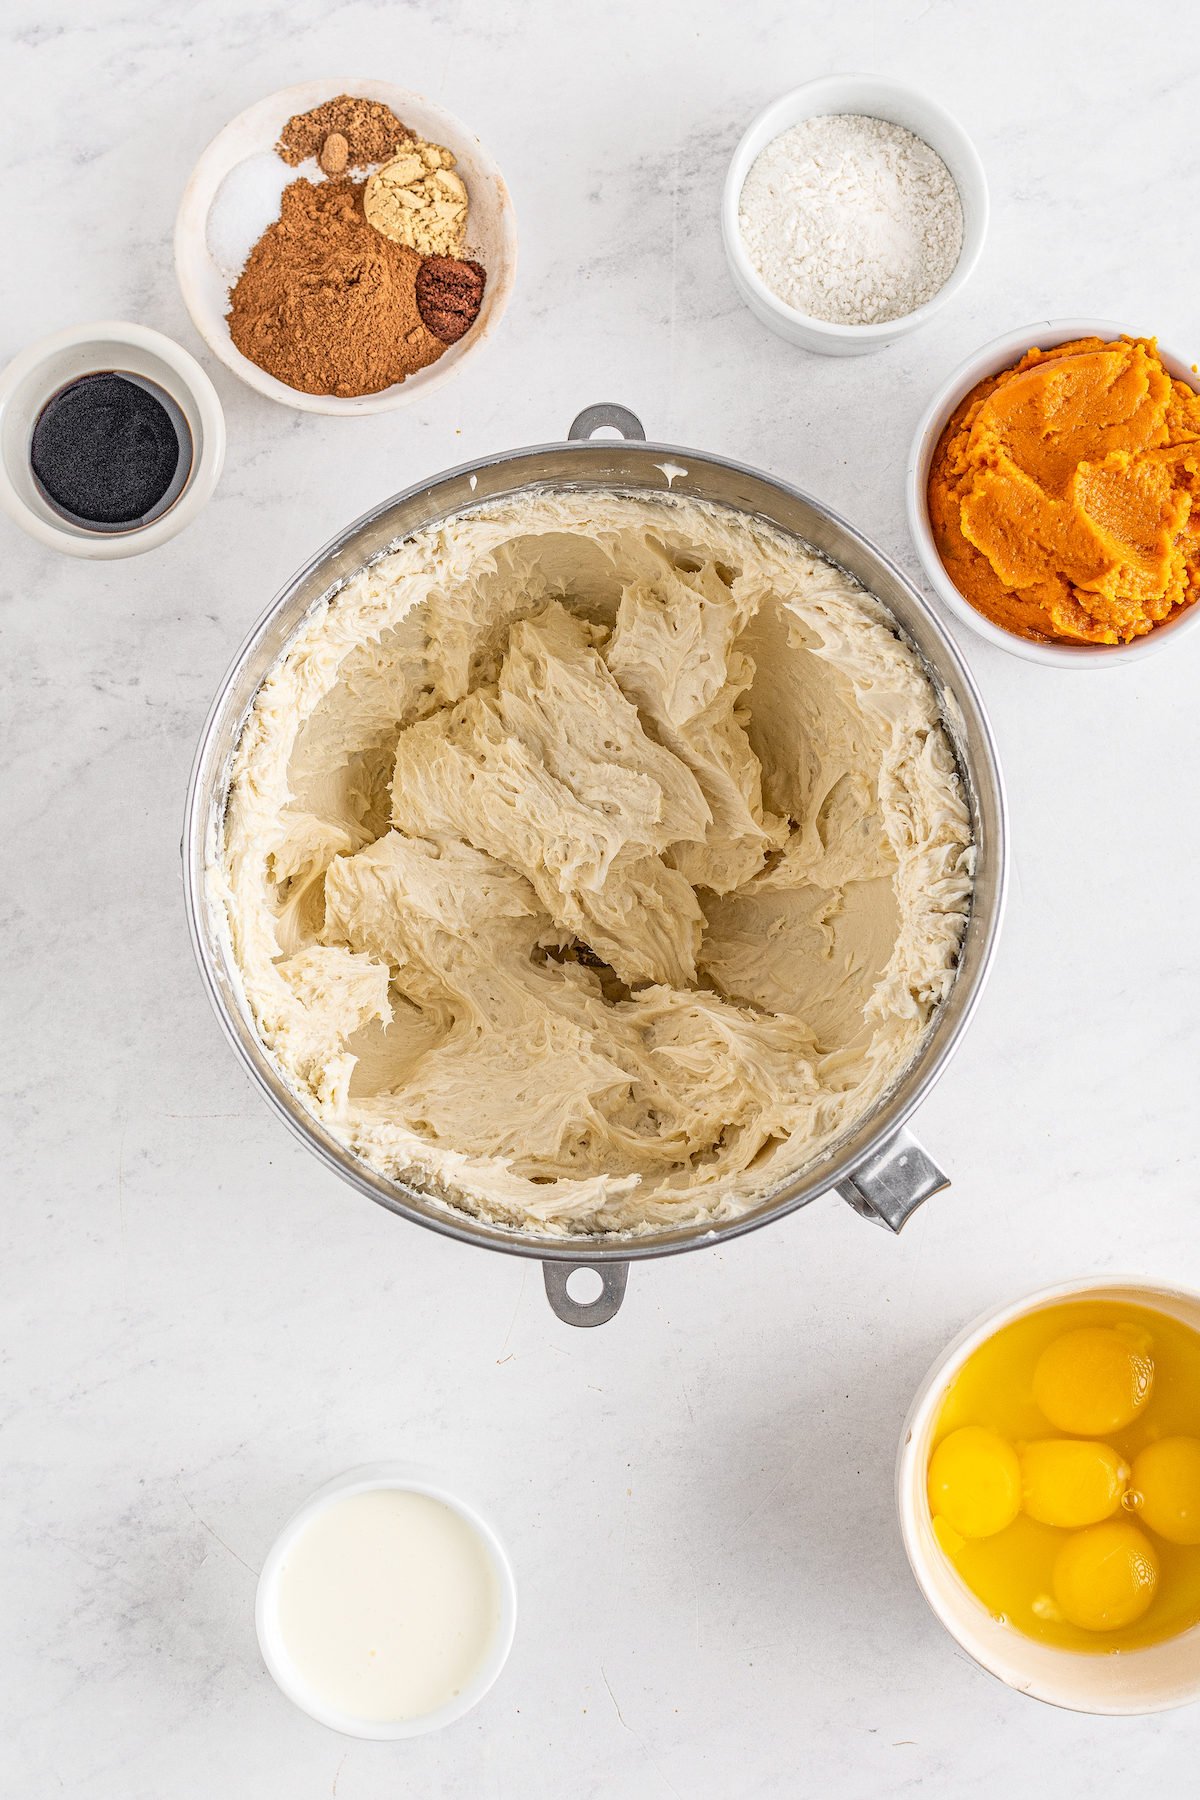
(607,412)
(599,1311)
(890,1185)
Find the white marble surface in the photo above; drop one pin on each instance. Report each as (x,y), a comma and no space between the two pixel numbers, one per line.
(201,1324)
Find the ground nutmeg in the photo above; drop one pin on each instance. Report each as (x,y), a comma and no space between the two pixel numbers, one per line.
(449,295)
(371,131)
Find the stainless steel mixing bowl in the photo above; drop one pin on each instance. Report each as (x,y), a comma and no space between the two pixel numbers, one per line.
(877,1165)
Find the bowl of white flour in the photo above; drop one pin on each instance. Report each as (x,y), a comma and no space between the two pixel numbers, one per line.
(854,209)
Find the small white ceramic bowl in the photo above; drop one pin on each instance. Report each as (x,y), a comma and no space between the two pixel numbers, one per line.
(491,237)
(1136,1681)
(876,97)
(37,374)
(409,1478)
(1000,354)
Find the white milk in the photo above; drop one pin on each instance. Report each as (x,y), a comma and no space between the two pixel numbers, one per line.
(388,1604)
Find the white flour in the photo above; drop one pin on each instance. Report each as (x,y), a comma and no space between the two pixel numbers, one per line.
(851,220)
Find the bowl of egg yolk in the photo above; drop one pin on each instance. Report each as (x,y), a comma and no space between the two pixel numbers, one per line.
(1048,1485)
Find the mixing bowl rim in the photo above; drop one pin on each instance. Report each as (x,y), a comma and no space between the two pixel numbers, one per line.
(442,1217)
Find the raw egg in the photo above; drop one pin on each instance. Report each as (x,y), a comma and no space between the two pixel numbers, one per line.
(1105,1577)
(1095,1381)
(1166,1489)
(1069,1482)
(1096,1547)
(975,1482)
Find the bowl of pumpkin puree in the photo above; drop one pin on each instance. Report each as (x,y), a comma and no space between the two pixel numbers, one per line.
(1054,493)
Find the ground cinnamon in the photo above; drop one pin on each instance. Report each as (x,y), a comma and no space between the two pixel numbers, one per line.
(327,304)
(372,132)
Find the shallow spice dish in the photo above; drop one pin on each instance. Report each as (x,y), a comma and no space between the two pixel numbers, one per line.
(491,236)
(875,97)
(1001,354)
(1146,1680)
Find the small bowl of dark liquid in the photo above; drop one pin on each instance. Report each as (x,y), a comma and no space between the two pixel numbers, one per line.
(111,440)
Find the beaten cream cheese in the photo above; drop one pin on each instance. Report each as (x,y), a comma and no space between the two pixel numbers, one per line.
(591,862)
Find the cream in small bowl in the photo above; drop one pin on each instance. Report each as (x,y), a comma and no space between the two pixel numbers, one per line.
(387,1606)
(241,171)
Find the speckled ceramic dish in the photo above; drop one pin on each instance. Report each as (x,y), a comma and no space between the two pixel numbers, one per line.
(491,237)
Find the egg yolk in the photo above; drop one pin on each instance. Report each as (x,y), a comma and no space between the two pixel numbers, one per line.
(1094,1381)
(1166,1489)
(975,1482)
(1069,1483)
(1105,1577)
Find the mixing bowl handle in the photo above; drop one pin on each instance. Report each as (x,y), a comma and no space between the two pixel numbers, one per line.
(585,1312)
(607,413)
(890,1185)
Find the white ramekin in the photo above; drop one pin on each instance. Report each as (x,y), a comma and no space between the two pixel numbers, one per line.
(411,1478)
(876,97)
(1000,354)
(1136,1681)
(36,374)
(491,229)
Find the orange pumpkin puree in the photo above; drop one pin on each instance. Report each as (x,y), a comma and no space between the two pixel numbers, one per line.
(1064,495)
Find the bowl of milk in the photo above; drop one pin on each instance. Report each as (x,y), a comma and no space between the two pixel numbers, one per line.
(387,1605)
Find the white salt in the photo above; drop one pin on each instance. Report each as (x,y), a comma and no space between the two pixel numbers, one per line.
(246,202)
